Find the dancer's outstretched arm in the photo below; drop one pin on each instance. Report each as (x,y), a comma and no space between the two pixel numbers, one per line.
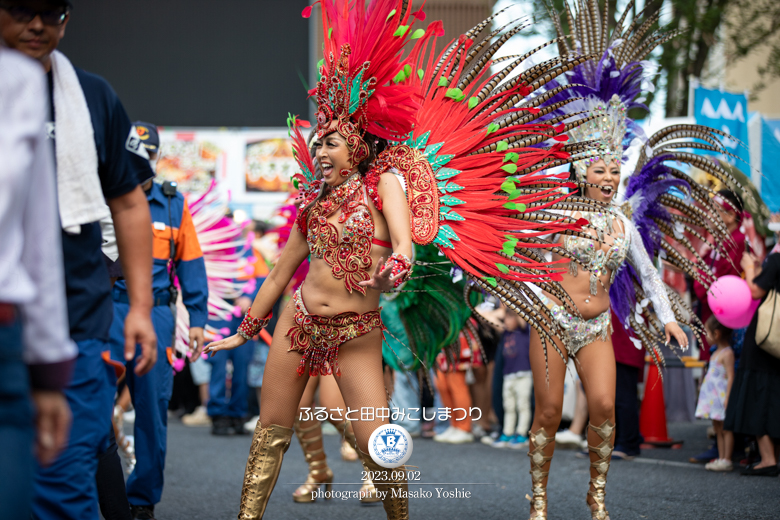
(293,255)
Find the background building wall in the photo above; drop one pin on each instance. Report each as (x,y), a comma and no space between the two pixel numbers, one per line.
(229,63)
(742,75)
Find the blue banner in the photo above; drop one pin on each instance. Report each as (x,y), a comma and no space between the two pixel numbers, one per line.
(770,164)
(727,112)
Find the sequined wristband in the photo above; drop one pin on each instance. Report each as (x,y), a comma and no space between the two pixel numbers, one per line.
(399,263)
(250,326)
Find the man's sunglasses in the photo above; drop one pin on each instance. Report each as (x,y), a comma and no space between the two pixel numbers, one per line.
(27,14)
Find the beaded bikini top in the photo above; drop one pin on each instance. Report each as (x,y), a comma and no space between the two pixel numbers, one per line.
(348,255)
(592,255)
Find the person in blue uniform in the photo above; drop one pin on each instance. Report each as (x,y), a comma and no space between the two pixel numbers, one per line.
(228,410)
(176,253)
(98,173)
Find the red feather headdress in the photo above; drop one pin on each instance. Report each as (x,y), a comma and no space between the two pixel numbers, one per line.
(361,87)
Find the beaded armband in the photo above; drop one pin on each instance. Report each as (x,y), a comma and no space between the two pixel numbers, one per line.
(250,327)
(399,263)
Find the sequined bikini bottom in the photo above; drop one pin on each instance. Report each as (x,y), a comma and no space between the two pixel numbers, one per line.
(579,331)
(318,338)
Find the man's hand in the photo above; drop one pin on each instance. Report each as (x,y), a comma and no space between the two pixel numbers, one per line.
(139,330)
(196,343)
(52,424)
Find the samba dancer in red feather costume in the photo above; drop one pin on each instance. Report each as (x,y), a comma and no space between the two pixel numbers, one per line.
(470,151)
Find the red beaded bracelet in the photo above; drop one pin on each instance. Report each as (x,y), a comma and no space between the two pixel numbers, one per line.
(399,263)
(250,326)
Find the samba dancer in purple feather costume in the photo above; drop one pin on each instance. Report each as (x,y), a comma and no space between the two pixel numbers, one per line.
(611,262)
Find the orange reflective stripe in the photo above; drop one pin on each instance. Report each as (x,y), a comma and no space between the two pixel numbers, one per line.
(187,245)
(161,243)
(119,368)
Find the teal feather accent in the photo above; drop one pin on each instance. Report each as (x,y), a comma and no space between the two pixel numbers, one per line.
(445,236)
(448,187)
(440,161)
(446,173)
(430,150)
(449,200)
(451,215)
(424,323)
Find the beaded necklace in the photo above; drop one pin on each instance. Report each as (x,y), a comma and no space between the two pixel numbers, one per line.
(348,255)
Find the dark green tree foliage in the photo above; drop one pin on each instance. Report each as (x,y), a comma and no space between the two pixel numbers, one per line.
(680,58)
(754,25)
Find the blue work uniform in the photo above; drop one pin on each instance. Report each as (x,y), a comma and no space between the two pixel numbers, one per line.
(220,403)
(152,392)
(67,489)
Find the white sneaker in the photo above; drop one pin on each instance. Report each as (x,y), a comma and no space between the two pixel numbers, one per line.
(251,424)
(198,417)
(568,439)
(459,436)
(490,439)
(719,465)
(478,431)
(443,436)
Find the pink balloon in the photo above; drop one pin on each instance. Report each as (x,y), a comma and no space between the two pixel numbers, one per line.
(729,298)
(178,364)
(744,320)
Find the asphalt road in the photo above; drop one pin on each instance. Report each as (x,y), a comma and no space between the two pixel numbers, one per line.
(203,480)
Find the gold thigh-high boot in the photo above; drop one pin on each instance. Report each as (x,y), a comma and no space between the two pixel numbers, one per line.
(262,469)
(599,484)
(540,440)
(392,491)
(367,490)
(348,443)
(319,472)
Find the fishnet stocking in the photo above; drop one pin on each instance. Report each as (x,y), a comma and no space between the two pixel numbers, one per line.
(282,386)
(361,383)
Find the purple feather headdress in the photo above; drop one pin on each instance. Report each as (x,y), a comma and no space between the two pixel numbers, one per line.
(605,92)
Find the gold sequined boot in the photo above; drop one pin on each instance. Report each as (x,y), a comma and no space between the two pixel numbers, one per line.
(262,469)
(540,440)
(319,472)
(367,490)
(393,490)
(599,484)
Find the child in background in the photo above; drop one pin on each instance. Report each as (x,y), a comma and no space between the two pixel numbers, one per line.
(517,382)
(452,385)
(715,389)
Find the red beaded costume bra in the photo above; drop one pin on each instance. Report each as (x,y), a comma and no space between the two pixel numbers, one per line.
(348,255)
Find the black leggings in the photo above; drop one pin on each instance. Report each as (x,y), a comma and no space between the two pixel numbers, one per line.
(112,495)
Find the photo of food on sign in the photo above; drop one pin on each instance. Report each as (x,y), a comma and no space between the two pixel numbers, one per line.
(190,162)
(269,165)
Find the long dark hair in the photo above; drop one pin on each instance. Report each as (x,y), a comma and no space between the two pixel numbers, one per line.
(735,200)
(376,145)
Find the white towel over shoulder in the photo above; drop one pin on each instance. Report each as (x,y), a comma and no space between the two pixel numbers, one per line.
(79,192)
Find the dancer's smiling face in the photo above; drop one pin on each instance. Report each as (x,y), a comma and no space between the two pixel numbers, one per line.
(606,175)
(37,37)
(333,156)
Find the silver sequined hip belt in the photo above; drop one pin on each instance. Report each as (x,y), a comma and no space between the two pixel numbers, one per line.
(579,331)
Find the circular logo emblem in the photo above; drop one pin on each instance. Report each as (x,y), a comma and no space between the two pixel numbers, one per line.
(390,445)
